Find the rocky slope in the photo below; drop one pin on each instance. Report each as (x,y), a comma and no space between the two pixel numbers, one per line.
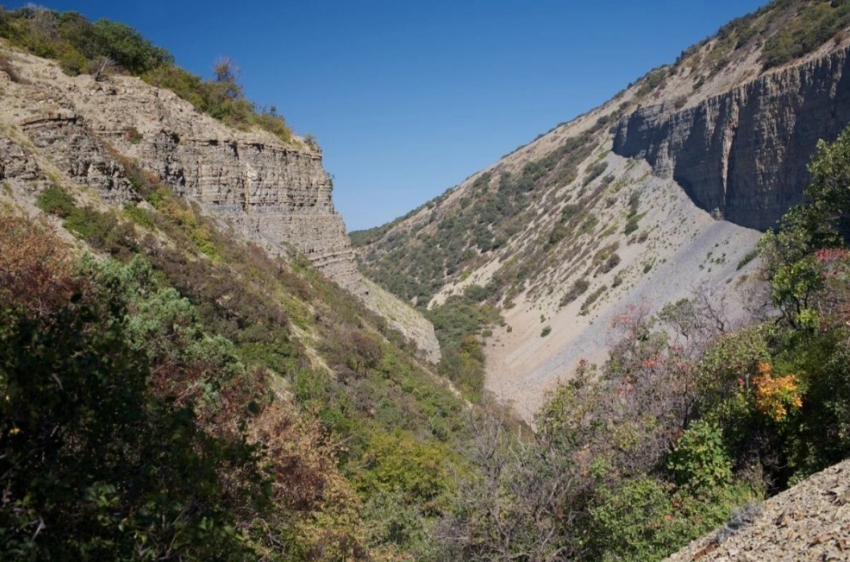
(811,521)
(276,195)
(656,195)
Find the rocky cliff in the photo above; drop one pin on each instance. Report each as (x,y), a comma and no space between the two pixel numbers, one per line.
(274,194)
(742,155)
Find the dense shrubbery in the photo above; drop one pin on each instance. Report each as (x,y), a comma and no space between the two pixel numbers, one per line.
(815,24)
(99,48)
(484,221)
(375,398)
(459,324)
(96,443)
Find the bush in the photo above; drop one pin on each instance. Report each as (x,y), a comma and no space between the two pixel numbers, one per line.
(594,172)
(612,262)
(545,332)
(103,455)
(592,298)
(56,201)
(750,256)
(7,67)
(578,288)
(636,522)
(699,460)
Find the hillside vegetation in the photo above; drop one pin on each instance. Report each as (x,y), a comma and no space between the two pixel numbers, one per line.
(105,47)
(563,227)
(189,396)
(169,391)
(178,393)
(686,419)
(164,402)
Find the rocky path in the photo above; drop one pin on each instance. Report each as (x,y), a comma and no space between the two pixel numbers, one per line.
(811,521)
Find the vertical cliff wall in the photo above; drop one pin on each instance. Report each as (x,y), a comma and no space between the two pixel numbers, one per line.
(743,155)
(273,194)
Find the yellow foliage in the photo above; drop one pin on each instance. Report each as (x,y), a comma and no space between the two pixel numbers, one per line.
(776,395)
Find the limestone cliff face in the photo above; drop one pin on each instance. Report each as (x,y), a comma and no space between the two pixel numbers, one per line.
(743,155)
(274,194)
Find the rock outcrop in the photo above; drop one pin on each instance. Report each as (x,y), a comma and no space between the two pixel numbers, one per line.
(811,521)
(80,155)
(743,155)
(275,194)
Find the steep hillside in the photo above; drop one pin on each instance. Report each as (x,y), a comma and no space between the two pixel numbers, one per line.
(268,185)
(181,378)
(183,373)
(648,198)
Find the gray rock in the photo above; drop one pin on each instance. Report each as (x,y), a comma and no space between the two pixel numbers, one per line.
(743,155)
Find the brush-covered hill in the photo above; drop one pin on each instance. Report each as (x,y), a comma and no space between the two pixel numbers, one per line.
(188,368)
(655,195)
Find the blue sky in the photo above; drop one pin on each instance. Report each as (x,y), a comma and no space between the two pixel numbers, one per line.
(409,97)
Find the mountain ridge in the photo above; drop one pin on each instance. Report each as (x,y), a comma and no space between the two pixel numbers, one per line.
(275,194)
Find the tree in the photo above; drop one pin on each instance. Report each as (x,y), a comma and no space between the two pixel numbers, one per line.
(822,221)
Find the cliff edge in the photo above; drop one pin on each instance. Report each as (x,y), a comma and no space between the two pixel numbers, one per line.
(743,155)
(274,194)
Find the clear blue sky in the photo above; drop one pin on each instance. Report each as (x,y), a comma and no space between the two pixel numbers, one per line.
(409,97)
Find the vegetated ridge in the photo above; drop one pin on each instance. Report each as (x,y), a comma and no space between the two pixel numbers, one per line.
(652,196)
(187,369)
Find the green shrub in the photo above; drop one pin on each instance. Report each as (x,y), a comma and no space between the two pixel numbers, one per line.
(594,172)
(699,459)
(592,298)
(545,332)
(750,256)
(102,230)
(637,522)
(815,24)
(56,201)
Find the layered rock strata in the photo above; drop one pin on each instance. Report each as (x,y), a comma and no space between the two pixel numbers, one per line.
(271,193)
(275,194)
(743,155)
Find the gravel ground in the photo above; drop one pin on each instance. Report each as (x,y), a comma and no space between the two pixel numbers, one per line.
(684,247)
(811,521)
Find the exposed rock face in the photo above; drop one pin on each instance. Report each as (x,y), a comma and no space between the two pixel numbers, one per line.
(274,194)
(271,193)
(742,155)
(811,521)
(80,155)
(17,164)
